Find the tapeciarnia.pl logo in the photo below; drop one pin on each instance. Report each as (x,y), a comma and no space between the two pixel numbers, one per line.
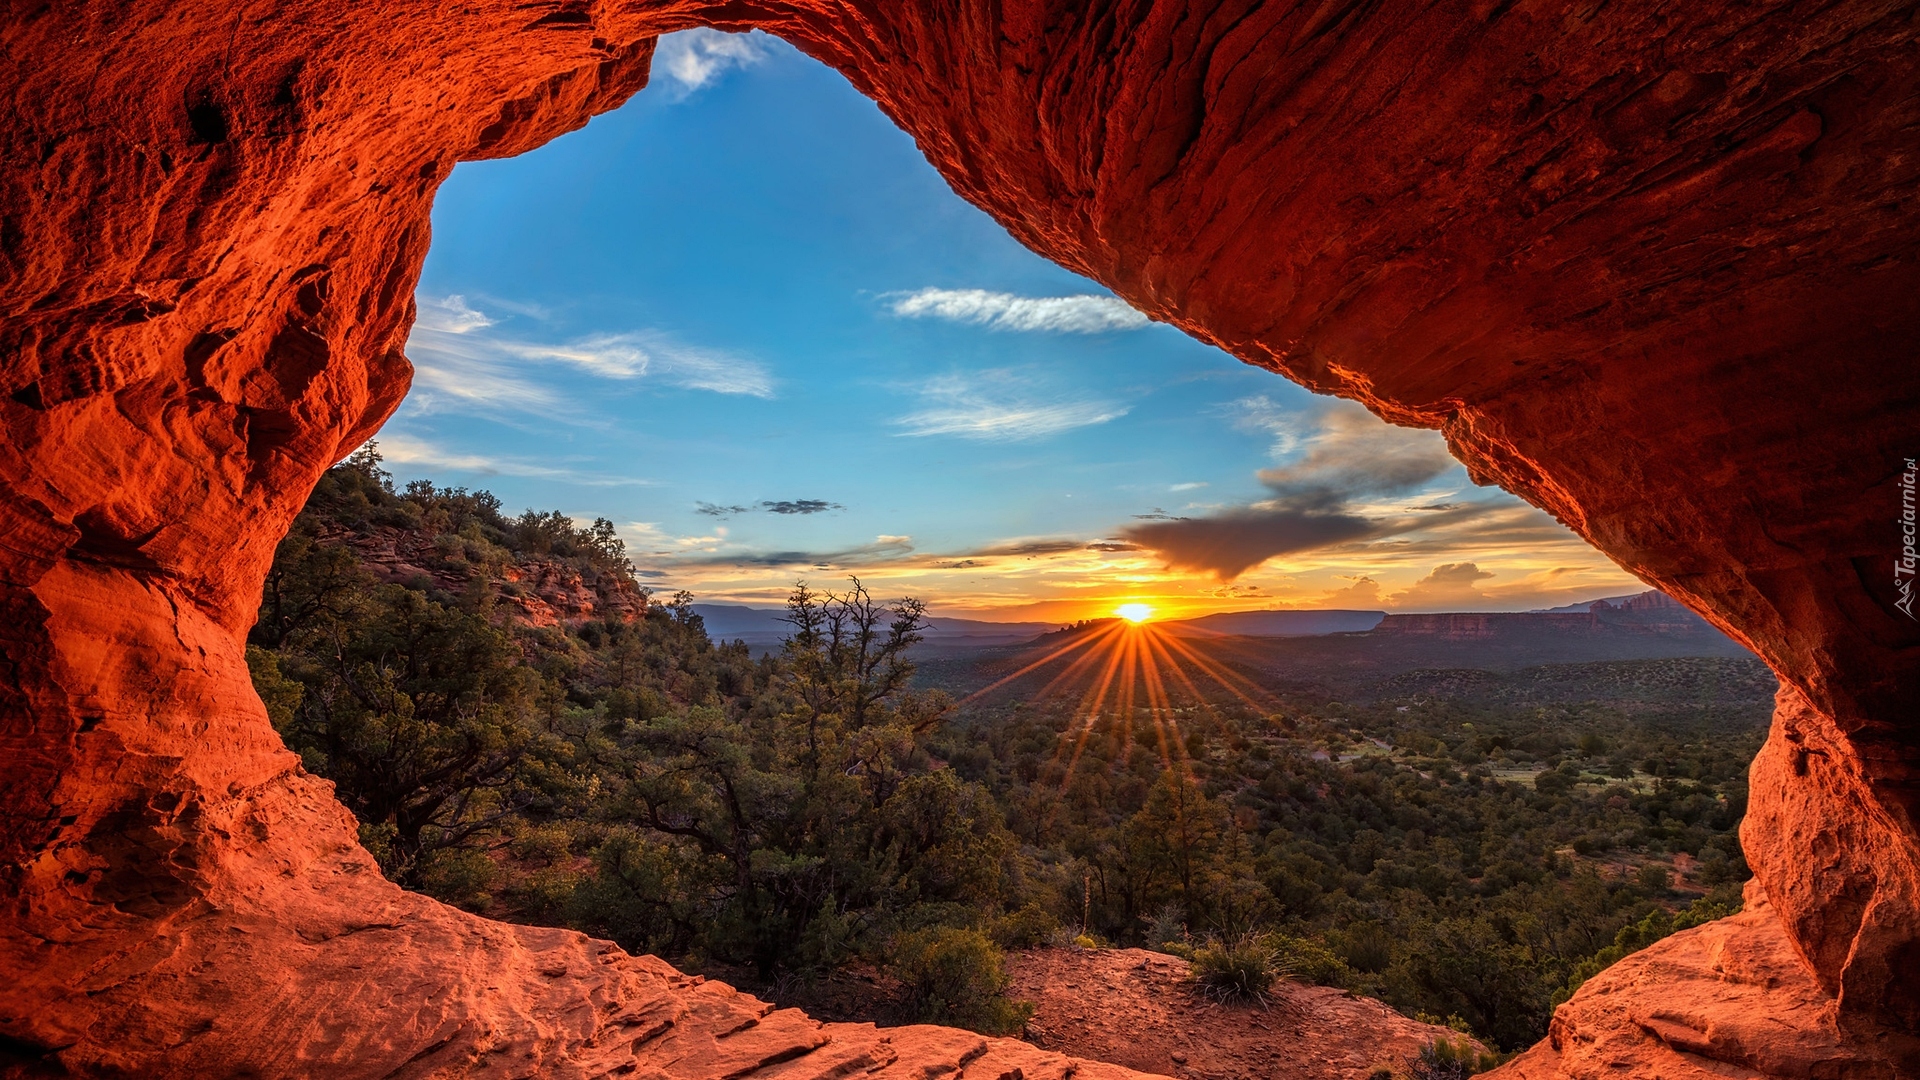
(1903,567)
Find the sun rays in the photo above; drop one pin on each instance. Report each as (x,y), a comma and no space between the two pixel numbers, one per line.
(1122,668)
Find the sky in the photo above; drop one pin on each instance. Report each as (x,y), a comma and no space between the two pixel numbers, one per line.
(742,318)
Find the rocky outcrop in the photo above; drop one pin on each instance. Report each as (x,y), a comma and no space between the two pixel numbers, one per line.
(530,591)
(1650,266)
(1724,999)
(370,982)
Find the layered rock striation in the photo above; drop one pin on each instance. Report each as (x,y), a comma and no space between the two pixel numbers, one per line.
(1652,267)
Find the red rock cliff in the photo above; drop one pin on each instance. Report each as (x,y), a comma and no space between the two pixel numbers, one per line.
(1651,266)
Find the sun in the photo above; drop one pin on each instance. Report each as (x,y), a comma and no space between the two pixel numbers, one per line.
(1134,613)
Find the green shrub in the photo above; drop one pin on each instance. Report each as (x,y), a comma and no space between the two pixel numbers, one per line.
(955,977)
(1311,961)
(1023,929)
(543,894)
(460,877)
(1238,971)
(545,845)
(827,940)
(1365,946)
(1654,878)
(1169,924)
(1553,782)
(1451,1059)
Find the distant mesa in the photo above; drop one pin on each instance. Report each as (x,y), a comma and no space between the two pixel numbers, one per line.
(767,627)
(1650,612)
(1285,623)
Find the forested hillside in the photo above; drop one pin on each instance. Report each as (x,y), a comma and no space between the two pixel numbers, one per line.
(605,765)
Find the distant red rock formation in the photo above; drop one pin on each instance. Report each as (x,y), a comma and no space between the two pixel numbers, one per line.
(1650,266)
(1654,601)
(1651,612)
(1468,625)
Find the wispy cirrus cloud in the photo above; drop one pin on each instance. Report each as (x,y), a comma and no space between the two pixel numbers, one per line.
(461,359)
(407,450)
(1260,413)
(449,315)
(695,59)
(640,354)
(451,372)
(1083,314)
(999,406)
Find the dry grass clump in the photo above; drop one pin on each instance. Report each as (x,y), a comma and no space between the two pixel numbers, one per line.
(1238,971)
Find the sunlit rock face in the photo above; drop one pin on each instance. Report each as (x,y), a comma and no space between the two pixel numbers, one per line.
(1651,266)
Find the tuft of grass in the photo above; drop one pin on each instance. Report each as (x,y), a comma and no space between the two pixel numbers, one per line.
(1451,1059)
(1237,971)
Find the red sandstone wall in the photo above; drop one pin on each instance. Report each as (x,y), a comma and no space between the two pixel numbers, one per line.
(1651,266)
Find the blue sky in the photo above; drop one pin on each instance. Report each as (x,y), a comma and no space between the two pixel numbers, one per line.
(744,319)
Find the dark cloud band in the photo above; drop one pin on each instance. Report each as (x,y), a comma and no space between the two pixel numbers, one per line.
(771,506)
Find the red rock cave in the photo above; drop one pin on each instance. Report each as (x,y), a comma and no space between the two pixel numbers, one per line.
(1653,267)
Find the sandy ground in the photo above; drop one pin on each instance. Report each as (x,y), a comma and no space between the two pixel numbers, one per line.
(1136,1008)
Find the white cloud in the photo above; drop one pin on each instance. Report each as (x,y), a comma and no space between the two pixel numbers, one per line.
(407,450)
(1261,414)
(1455,585)
(459,359)
(454,371)
(1356,452)
(1005,311)
(998,406)
(632,355)
(610,356)
(1189,486)
(693,59)
(449,315)
(710,369)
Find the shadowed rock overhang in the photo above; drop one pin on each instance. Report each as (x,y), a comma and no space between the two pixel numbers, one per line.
(1652,267)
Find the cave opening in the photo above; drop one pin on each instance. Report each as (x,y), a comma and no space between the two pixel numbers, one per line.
(648,319)
(1654,269)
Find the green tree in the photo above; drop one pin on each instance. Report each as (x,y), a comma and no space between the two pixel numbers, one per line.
(805,799)
(416,710)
